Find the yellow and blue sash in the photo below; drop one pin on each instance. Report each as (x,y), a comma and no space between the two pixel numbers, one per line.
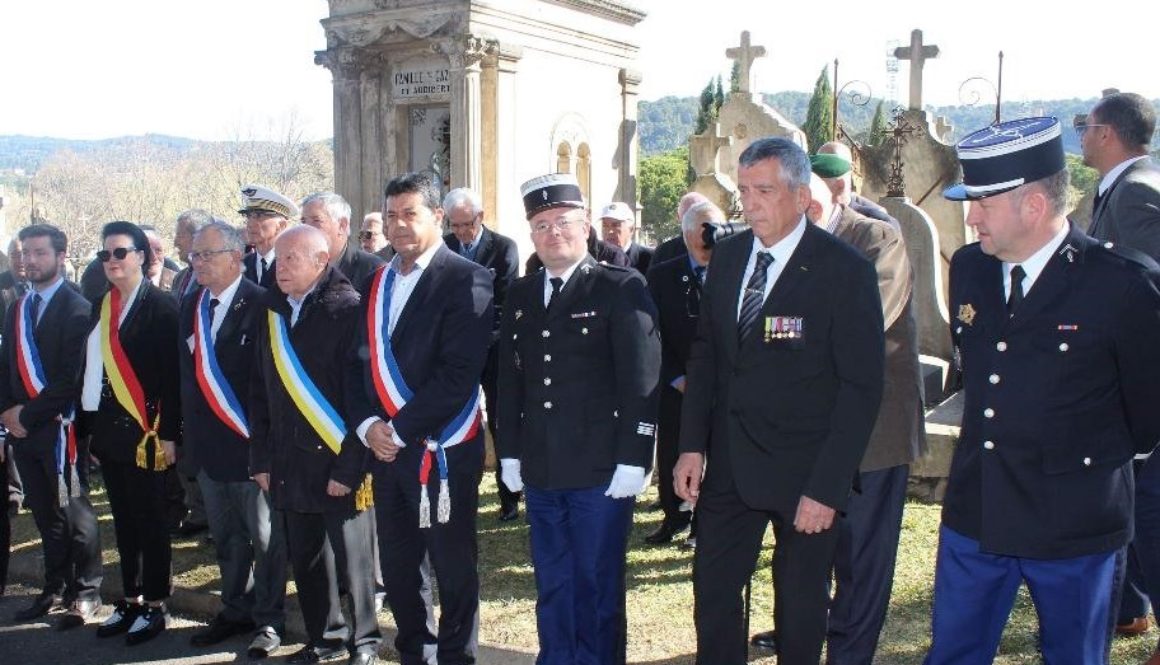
(210,379)
(310,401)
(394,394)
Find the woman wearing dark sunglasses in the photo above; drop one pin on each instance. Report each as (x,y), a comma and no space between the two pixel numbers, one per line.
(130,398)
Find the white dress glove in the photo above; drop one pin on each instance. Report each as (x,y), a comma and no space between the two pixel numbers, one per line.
(626,481)
(509,473)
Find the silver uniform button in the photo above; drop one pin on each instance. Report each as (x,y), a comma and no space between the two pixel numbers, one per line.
(1109,245)
(547,380)
(547,357)
(994,378)
(988,412)
(1001,346)
(1087,461)
(547,405)
(583,331)
(959,330)
(1063,347)
(546,334)
(989,445)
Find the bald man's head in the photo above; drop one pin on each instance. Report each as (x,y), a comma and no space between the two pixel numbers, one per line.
(688,201)
(303,253)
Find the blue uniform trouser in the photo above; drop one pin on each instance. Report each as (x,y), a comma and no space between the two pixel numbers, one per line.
(578,541)
(974,592)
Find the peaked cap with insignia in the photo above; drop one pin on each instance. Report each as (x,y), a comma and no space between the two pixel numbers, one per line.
(555,190)
(259,197)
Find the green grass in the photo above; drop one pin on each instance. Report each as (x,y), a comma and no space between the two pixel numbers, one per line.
(660,591)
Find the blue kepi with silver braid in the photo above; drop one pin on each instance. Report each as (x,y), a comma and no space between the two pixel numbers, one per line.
(1001,157)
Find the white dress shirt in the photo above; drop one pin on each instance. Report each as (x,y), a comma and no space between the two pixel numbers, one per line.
(781,251)
(1034,264)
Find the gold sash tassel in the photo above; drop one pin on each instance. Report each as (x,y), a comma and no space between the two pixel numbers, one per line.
(364,496)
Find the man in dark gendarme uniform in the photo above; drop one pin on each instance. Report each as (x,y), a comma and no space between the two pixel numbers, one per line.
(1056,336)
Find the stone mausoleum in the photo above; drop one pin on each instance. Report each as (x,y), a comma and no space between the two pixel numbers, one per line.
(486,93)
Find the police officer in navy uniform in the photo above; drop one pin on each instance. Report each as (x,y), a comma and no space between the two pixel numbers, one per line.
(1056,336)
(580,357)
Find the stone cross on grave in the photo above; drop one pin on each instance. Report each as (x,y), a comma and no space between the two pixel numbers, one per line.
(704,149)
(745,55)
(917,54)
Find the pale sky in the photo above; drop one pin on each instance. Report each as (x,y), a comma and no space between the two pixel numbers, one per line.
(210,69)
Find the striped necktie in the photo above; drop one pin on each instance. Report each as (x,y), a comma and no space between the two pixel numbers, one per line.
(754,295)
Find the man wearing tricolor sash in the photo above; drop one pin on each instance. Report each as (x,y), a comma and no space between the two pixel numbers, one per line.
(219,326)
(40,361)
(580,359)
(414,400)
(303,454)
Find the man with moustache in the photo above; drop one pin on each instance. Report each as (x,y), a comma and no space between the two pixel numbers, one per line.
(302,454)
(373,238)
(785,376)
(267,214)
(43,349)
(413,397)
(330,213)
(219,326)
(469,238)
(579,360)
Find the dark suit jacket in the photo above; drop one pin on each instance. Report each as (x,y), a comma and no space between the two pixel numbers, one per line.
(1071,385)
(149,337)
(60,339)
(899,435)
(578,384)
(498,254)
(639,257)
(440,342)
(677,294)
(250,270)
(670,249)
(212,444)
(791,416)
(357,264)
(1129,212)
(282,442)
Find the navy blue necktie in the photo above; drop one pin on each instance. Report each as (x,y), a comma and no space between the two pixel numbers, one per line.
(1016,297)
(34,308)
(754,295)
(557,284)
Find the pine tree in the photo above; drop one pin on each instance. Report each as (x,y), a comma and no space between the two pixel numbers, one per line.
(718,95)
(877,126)
(820,116)
(735,77)
(707,113)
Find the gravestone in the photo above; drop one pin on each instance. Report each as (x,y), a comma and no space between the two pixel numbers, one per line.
(705,159)
(744,117)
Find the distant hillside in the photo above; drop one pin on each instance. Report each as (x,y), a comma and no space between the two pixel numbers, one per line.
(29,152)
(666,123)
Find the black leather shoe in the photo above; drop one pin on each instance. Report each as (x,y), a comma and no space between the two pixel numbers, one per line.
(79,612)
(313,654)
(509,513)
(123,616)
(38,608)
(149,624)
(265,641)
(766,640)
(363,658)
(665,532)
(219,630)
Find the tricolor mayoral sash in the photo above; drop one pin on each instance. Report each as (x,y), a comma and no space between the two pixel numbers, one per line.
(214,388)
(124,382)
(394,393)
(32,375)
(309,400)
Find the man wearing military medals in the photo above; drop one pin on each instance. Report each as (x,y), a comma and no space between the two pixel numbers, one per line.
(302,452)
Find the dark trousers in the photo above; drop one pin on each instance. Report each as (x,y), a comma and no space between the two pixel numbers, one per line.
(729,535)
(1142,575)
(451,546)
(329,551)
(69,534)
(668,435)
(250,542)
(864,566)
(578,541)
(5,528)
(139,503)
(507,498)
(974,592)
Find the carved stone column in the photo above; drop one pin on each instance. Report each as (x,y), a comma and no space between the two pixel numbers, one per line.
(345,66)
(629,140)
(499,133)
(466,56)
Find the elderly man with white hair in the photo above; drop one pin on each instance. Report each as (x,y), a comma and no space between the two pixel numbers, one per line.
(330,213)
